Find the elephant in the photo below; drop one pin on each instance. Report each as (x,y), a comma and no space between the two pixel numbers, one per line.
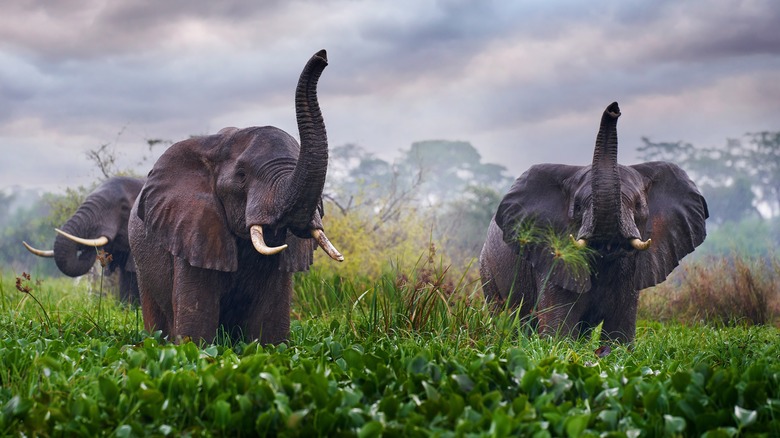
(632,224)
(99,222)
(224,221)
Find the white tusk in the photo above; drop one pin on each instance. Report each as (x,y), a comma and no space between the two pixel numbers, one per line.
(638,244)
(256,232)
(581,243)
(38,252)
(326,246)
(100,241)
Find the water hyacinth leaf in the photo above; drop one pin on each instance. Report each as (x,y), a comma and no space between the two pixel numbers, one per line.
(721,432)
(17,406)
(221,414)
(371,429)
(124,431)
(417,365)
(745,417)
(353,358)
(464,382)
(576,424)
(109,389)
(430,391)
(673,425)
(681,380)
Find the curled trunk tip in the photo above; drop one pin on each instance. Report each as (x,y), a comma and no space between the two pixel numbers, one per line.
(613,110)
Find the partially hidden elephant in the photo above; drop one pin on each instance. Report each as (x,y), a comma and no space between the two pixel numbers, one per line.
(633,223)
(224,221)
(100,222)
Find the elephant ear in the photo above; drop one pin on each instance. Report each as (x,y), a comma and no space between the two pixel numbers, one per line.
(540,199)
(181,212)
(677,212)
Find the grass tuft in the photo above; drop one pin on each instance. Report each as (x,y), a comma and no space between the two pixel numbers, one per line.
(729,290)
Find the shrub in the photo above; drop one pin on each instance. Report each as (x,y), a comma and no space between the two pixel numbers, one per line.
(371,242)
(723,290)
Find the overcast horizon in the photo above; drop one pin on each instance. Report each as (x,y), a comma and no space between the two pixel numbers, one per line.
(524,82)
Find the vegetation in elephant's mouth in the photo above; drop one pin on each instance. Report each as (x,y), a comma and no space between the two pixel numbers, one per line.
(577,260)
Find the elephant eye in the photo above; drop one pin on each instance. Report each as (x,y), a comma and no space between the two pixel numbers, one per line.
(240,176)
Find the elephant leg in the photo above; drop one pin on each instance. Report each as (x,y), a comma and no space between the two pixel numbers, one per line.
(268,318)
(620,325)
(560,312)
(195,299)
(154,266)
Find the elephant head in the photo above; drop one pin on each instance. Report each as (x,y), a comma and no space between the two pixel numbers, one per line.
(244,202)
(100,222)
(638,221)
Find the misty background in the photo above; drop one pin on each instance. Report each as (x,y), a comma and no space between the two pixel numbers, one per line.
(433,106)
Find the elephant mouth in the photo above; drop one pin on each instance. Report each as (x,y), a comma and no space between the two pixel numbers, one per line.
(613,246)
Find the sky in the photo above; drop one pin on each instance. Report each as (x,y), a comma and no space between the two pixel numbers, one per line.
(524,81)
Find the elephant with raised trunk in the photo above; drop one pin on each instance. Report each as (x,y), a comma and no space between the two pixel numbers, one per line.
(224,220)
(633,223)
(100,222)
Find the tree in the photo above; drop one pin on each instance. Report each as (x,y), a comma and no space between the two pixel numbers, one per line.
(736,178)
(436,192)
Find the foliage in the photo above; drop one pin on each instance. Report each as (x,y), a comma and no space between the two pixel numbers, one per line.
(370,244)
(463,223)
(84,376)
(31,223)
(748,237)
(738,176)
(737,289)
(436,191)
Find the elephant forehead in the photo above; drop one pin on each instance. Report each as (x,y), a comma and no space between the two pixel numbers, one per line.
(268,139)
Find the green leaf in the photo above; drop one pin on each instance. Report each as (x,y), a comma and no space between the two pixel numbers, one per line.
(464,382)
(124,431)
(744,417)
(681,380)
(576,424)
(371,429)
(109,389)
(221,414)
(673,425)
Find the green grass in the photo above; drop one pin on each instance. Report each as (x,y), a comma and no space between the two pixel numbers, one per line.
(412,354)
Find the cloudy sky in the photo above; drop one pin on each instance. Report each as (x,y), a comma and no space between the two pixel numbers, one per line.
(524,81)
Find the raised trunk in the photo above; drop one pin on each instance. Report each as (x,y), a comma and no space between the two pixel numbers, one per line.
(605,183)
(72,258)
(304,192)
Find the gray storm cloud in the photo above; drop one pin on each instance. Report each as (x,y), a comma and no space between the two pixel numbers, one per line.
(525,83)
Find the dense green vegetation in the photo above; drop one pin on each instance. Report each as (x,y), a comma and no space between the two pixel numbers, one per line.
(415,354)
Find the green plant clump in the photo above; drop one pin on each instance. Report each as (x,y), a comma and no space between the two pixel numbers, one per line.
(413,354)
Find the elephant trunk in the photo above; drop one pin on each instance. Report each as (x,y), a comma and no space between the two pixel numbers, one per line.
(605,184)
(75,259)
(304,191)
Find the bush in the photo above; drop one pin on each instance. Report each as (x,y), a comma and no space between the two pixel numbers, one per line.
(371,243)
(734,289)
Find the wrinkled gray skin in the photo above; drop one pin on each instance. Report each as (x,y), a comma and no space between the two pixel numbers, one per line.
(190,227)
(104,212)
(607,205)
